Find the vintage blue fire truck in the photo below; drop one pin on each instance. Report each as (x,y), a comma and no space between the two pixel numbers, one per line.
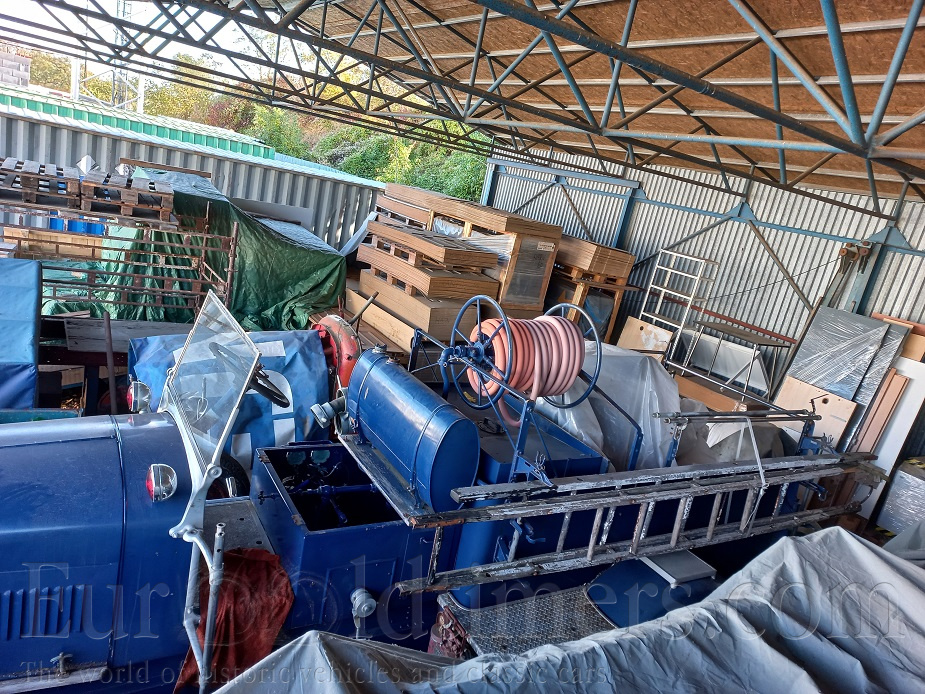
(443,494)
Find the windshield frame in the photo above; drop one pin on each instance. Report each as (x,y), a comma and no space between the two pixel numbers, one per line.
(212,312)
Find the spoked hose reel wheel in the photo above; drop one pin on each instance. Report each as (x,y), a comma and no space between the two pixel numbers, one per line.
(541,357)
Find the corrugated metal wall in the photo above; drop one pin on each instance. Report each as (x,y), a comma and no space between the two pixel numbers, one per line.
(340,202)
(806,235)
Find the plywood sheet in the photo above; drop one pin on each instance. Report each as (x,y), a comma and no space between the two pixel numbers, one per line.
(880,412)
(897,430)
(594,257)
(433,316)
(89,334)
(380,320)
(835,411)
(837,351)
(640,335)
(698,389)
(442,249)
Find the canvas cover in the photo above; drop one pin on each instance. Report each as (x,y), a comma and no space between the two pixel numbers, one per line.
(827,612)
(20,297)
(282,272)
(293,360)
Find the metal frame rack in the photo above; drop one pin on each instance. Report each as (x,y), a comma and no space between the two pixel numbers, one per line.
(679,279)
(186,251)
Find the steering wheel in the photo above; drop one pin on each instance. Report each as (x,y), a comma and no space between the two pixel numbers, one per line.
(259,383)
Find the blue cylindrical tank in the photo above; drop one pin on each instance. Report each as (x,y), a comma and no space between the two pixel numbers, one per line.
(431,443)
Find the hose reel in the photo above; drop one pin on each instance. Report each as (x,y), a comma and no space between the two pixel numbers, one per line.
(537,358)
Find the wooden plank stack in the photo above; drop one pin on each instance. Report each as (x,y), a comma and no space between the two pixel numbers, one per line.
(425,263)
(104,192)
(526,249)
(36,183)
(422,279)
(583,268)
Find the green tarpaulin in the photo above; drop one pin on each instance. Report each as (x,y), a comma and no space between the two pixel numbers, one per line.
(282,272)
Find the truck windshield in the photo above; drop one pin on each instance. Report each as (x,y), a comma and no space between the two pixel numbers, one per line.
(211,376)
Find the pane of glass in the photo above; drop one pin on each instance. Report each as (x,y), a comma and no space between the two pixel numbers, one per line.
(211,376)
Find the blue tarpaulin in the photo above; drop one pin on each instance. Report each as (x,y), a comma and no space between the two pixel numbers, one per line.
(295,363)
(20,302)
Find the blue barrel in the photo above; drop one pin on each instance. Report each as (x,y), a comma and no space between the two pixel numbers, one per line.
(77,226)
(429,442)
(95,228)
(55,223)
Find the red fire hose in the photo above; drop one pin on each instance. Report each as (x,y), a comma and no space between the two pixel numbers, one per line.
(547,354)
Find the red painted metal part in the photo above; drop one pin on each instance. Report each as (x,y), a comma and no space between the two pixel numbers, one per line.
(341,346)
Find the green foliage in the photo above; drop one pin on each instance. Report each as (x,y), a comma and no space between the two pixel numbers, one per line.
(180,99)
(279,129)
(50,71)
(391,159)
(231,113)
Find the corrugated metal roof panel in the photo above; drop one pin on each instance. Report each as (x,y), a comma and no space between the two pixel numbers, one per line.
(337,202)
(146,124)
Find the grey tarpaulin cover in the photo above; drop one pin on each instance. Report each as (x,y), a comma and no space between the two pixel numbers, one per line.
(827,612)
(639,385)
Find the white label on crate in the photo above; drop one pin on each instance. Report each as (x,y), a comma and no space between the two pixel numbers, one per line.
(545,246)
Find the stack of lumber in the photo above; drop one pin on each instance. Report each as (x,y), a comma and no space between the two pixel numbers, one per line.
(39,184)
(421,262)
(420,280)
(525,248)
(106,193)
(584,268)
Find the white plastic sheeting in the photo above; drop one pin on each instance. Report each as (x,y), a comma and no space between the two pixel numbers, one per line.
(640,386)
(828,612)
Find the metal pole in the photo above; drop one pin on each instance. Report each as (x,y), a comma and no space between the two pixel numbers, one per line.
(780,266)
(618,65)
(842,69)
(893,73)
(216,576)
(110,366)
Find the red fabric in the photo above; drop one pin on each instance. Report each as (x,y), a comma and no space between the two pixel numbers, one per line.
(253,602)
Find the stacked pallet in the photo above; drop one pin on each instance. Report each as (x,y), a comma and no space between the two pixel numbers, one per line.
(421,279)
(525,248)
(584,270)
(108,193)
(35,183)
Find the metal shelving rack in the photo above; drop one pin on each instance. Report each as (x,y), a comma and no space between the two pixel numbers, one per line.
(167,264)
(680,280)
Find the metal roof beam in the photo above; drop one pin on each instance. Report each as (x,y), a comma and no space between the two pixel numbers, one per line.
(650,65)
(843,70)
(899,55)
(792,63)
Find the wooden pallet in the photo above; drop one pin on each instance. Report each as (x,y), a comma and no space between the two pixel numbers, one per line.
(114,189)
(576,286)
(445,250)
(33,175)
(139,212)
(404,212)
(471,213)
(12,192)
(594,257)
(436,283)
